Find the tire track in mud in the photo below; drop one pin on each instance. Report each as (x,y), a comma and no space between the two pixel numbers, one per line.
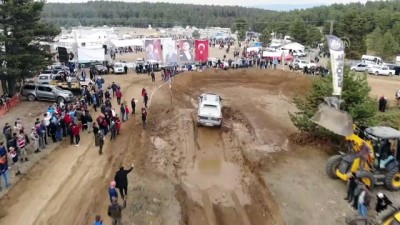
(208,144)
(224,147)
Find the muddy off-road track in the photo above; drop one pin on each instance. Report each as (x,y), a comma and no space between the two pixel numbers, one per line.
(218,169)
(183,174)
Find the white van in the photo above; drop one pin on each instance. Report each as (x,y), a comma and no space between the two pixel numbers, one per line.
(44,78)
(372,59)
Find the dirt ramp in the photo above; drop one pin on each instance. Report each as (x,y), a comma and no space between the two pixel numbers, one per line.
(278,81)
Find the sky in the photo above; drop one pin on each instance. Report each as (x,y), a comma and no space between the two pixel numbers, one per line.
(250,3)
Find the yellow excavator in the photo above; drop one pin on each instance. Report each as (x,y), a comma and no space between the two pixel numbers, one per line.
(393,218)
(382,167)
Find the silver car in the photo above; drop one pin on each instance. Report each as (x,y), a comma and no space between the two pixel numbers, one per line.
(46,92)
(359,67)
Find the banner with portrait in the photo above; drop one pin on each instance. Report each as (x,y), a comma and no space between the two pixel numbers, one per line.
(170,55)
(185,51)
(153,50)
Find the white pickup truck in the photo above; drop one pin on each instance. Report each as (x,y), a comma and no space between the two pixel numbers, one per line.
(381,70)
(209,112)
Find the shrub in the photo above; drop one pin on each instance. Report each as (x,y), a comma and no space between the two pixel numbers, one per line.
(356,98)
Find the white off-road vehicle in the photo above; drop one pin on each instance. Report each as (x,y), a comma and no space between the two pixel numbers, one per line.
(209,112)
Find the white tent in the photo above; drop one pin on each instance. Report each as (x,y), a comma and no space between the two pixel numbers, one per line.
(127,42)
(91,54)
(293,46)
(253,49)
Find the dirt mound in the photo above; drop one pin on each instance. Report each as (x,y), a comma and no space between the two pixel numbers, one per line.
(275,81)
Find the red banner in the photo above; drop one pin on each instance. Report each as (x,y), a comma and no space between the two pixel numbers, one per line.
(201,52)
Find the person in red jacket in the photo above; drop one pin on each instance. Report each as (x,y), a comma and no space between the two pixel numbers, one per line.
(76,128)
(118,123)
(118,93)
(126,112)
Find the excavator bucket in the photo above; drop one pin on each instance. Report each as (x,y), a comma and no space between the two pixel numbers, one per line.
(331,118)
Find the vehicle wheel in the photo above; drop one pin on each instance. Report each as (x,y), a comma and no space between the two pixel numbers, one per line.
(392,180)
(390,74)
(367,178)
(354,70)
(60,99)
(31,98)
(376,74)
(332,165)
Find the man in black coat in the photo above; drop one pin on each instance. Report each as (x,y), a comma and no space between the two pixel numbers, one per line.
(351,186)
(121,180)
(382,203)
(382,104)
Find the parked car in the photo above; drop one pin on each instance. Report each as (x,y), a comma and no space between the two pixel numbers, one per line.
(372,67)
(382,70)
(209,112)
(390,65)
(100,69)
(46,92)
(300,64)
(119,68)
(359,67)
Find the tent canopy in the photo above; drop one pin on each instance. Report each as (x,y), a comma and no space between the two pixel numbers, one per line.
(294,46)
(278,55)
(127,42)
(91,54)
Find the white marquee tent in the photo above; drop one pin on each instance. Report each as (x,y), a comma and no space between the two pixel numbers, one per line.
(89,54)
(127,42)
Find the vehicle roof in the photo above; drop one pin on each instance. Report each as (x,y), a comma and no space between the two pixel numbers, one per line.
(383,132)
(210,98)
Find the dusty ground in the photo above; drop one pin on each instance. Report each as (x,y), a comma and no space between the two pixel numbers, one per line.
(246,173)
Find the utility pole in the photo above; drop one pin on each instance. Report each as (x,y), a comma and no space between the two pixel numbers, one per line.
(331,28)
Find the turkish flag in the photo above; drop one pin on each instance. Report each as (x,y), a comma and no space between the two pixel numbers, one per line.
(201,52)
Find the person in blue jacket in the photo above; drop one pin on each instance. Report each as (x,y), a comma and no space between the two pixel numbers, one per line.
(112,191)
(98,221)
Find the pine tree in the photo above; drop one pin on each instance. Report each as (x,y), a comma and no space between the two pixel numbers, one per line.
(388,46)
(240,25)
(356,98)
(298,30)
(25,41)
(265,37)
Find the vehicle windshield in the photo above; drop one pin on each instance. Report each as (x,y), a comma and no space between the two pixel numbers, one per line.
(58,89)
(210,106)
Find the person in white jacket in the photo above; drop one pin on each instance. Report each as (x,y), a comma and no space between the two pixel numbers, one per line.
(35,140)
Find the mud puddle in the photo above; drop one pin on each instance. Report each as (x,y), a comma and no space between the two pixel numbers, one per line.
(211,173)
(216,186)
